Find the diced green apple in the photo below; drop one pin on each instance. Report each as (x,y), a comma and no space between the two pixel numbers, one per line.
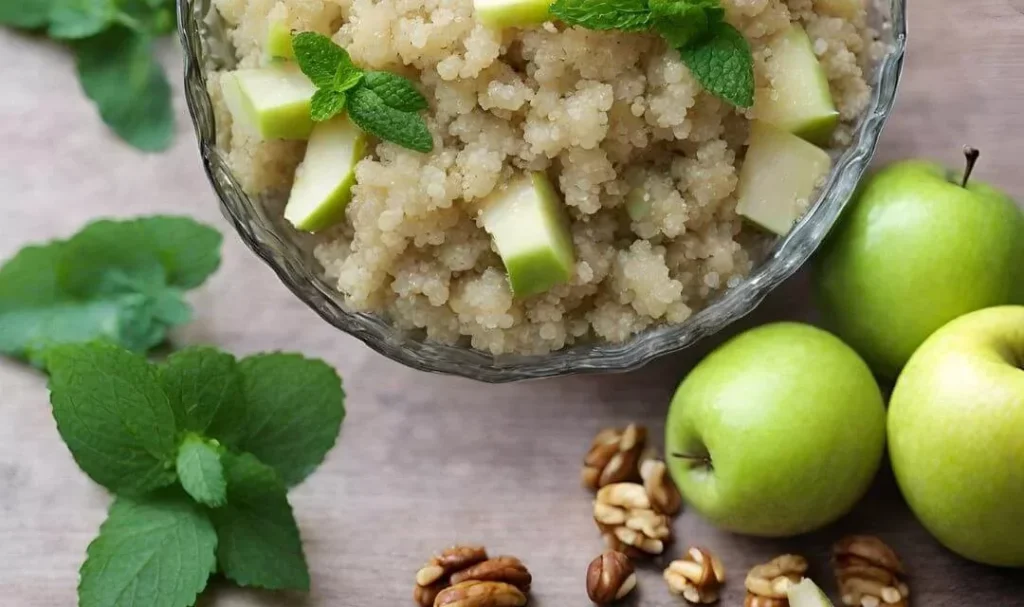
(807,594)
(511,13)
(324,180)
(278,45)
(272,101)
(638,204)
(527,221)
(799,99)
(780,174)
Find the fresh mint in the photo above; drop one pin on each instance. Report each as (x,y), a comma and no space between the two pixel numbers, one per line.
(112,41)
(113,416)
(723,64)
(200,451)
(122,281)
(716,53)
(383,104)
(201,472)
(622,15)
(157,551)
(259,540)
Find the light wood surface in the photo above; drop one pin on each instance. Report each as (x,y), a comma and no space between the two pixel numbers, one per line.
(425,461)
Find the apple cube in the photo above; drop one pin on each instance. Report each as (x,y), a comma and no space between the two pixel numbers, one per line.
(278,45)
(272,102)
(799,99)
(527,222)
(807,594)
(324,180)
(511,13)
(780,174)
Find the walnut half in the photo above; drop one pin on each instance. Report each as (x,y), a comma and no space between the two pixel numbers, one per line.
(610,577)
(614,456)
(698,576)
(767,584)
(459,565)
(475,593)
(629,524)
(869,573)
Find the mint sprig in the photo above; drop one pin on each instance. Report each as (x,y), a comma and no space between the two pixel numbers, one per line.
(113,45)
(122,281)
(200,450)
(382,104)
(716,53)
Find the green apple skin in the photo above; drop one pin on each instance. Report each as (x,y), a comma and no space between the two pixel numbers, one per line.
(915,251)
(792,423)
(807,594)
(956,435)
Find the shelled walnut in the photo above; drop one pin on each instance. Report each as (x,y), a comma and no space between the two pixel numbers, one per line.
(661,490)
(459,565)
(610,577)
(628,522)
(614,456)
(869,573)
(767,583)
(698,576)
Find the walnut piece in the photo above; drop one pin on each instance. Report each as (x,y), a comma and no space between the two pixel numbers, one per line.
(624,514)
(698,576)
(460,564)
(660,489)
(476,593)
(767,583)
(614,457)
(869,573)
(610,577)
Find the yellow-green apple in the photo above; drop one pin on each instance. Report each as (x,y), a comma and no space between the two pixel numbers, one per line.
(777,432)
(956,435)
(918,247)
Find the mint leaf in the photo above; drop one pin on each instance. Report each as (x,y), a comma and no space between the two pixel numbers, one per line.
(121,76)
(395,91)
(326,104)
(723,64)
(74,19)
(113,416)
(201,473)
(155,552)
(155,17)
(122,282)
(293,413)
(685,22)
(203,384)
(258,540)
(370,113)
(325,63)
(26,14)
(623,15)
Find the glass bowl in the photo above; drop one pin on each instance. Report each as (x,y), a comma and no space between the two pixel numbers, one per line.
(288,253)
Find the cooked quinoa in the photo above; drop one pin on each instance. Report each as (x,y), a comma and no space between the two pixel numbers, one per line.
(604,113)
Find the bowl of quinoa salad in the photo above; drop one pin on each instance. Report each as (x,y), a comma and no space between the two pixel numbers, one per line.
(654,246)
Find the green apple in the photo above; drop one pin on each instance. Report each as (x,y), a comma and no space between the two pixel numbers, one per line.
(779,176)
(511,13)
(799,99)
(324,180)
(807,594)
(278,45)
(272,102)
(777,432)
(956,435)
(527,222)
(915,250)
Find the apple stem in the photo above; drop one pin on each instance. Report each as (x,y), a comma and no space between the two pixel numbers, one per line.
(701,460)
(972,155)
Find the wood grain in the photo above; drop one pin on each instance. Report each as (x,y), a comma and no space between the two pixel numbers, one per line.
(425,461)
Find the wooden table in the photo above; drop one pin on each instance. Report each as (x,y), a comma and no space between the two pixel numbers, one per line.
(425,461)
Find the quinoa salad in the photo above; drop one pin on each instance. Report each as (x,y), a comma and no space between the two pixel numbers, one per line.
(645,163)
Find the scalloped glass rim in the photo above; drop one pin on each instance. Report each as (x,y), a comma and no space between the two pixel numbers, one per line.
(282,249)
